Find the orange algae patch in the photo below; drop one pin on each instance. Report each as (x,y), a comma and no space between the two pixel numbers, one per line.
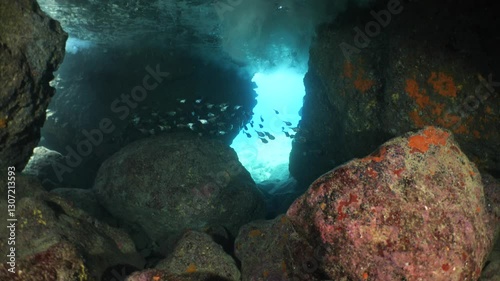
(3,123)
(448,120)
(265,273)
(322,206)
(365,275)
(284,219)
(398,172)
(417,120)
(254,233)
(438,109)
(191,268)
(361,83)
(443,84)
(430,136)
(488,110)
(462,129)
(445,267)
(414,92)
(377,157)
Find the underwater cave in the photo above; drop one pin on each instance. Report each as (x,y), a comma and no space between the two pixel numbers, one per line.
(250,140)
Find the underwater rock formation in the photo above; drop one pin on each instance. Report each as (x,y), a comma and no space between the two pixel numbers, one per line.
(31,49)
(376,74)
(178,181)
(56,241)
(197,252)
(275,250)
(414,210)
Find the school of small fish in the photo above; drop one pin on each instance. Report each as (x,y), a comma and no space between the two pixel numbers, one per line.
(201,117)
(265,136)
(204,118)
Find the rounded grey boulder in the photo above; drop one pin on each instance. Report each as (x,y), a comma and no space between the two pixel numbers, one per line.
(175,182)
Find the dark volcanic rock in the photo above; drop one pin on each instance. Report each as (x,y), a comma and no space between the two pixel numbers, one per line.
(415,210)
(55,240)
(406,76)
(31,49)
(197,252)
(275,250)
(178,181)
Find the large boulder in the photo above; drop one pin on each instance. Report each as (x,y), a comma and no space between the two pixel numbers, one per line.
(414,210)
(31,49)
(275,250)
(178,181)
(55,240)
(379,73)
(197,252)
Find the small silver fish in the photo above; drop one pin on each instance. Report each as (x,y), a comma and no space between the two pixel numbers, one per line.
(182,100)
(236,107)
(164,128)
(210,115)
(198,101)
(271,137)
(171,113)
(262,135)
(287,123)
(221,133)
(209,105)
(203,121)
(263,140)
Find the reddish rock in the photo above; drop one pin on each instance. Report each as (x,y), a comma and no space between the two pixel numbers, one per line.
(414,210)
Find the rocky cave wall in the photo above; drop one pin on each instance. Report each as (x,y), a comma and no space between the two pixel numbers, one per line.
(420,63)
(31,49)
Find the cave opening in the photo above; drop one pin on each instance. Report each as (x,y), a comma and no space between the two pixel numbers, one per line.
(264,144)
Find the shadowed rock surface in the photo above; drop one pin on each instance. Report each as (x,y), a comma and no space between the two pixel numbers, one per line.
(197,252)
(56,241)
(363,90)
(31,48)
(178,181)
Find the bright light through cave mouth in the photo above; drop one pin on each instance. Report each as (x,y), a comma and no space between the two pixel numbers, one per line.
(279,102)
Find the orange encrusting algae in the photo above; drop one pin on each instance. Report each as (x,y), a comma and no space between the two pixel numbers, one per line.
(361,83)
(191,268)
(443,84)
(430,136)
(417,120)
(3,123)
(376,157)
(418,95)
(254,233)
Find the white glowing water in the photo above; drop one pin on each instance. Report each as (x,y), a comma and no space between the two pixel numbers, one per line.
(283,91)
